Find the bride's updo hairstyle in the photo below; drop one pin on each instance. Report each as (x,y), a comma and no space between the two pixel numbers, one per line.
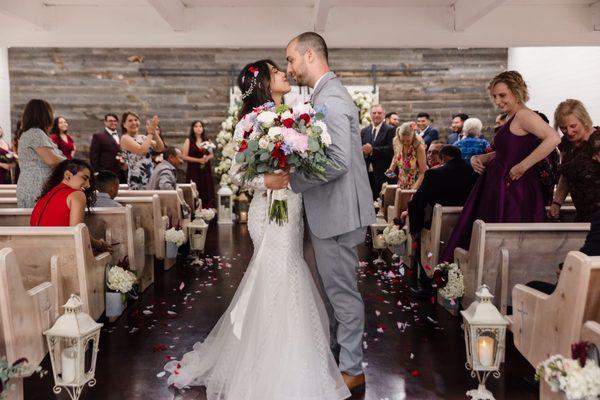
(254,81)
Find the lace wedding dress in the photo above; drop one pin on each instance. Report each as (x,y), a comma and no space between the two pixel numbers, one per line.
(272,343)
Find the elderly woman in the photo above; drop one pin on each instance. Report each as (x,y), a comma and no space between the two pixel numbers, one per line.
(473,144)
(409,157)
(580,161)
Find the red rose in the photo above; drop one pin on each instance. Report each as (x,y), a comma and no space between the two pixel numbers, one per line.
(288,122)
(279,155)
(305,118)
(243,146)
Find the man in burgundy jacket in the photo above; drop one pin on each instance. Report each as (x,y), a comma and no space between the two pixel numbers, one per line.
(105,149)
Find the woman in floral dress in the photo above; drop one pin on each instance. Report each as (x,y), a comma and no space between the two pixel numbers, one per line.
(409,157)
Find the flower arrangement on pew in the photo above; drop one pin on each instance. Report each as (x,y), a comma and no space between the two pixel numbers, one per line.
(449,280)
(395,238)
(577,377)
(363,101)
(19,369)
(207,214)
(120,283)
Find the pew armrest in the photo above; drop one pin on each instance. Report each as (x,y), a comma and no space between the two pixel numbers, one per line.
(102,259)
(391,214)
(44,301)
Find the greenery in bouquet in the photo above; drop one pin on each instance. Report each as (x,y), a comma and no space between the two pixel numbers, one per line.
(19,369)
(449,280)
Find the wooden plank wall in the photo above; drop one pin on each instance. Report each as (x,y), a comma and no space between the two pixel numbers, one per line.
(83,84)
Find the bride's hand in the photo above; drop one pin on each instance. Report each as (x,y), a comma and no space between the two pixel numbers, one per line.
(277,181)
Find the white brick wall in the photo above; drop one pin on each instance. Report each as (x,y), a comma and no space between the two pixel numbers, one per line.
(557,73)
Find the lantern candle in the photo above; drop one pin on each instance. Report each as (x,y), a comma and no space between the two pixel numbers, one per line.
(243,216)
(485,349)
(68,359)
(379,242)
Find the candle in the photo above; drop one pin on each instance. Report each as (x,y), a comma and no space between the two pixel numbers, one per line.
(68,359)
(485,348)
(243,216)
(379,242)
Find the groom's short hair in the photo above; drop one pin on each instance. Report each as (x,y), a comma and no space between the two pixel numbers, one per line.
(314,41)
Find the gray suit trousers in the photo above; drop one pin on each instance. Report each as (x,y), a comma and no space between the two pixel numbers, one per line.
(337,263)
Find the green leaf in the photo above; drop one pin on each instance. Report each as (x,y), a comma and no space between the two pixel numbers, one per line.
(271,146)
(240,158)
(313,144)
(264,156)
(252,145)
(262,168)
(281,108)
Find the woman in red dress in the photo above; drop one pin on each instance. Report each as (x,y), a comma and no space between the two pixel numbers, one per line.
(198,152)
(67,192)
(61,137)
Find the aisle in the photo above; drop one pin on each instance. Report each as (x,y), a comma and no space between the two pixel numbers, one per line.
(413,350)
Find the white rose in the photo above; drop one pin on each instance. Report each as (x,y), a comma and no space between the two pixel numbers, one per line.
(302,109)
(286,115)
(326,138)
(275,131)
(263,143)
(266,118)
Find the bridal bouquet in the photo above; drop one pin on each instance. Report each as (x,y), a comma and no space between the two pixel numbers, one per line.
(577,377)
(449,280)
(273,139)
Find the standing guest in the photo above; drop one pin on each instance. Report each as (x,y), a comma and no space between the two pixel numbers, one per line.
(508,189)
(67,191)
(164,175)
(105,150)
(139,148)
(37,153)
(433,154)
(409,157)
(580,161)
(378,148)
(197,152)
(8,160)
(392,119)
(500,120)
(60,136)
(456,128)
(425,130)
(107,186)
(473,143)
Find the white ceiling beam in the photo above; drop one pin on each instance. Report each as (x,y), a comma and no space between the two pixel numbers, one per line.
(33,12)
(467,12)
(596,16)
(321,13)
(172,11)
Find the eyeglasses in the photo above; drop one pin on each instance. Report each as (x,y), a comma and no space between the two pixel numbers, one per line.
(433,152)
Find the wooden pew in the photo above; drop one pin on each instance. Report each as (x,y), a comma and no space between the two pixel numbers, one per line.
(79,271)
(503,255)
(8,202)
(24,316)
(190,193)
(147,215)
(387,204)
(171,201)
(401,199)
(544,325)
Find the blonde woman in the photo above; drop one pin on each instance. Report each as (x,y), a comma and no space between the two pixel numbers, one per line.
(580,161)
(139,148)
(509,189)
(409,157)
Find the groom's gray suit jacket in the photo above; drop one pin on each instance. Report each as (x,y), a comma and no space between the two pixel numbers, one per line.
(342,203)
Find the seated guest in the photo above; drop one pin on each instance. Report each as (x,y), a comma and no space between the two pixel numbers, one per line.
(448,185)
(107,185)
(456,128)
(65,195)
(472,144)
(425,131)
(433,154)
(580,161)
(164,176)
(409,157)
(392,119)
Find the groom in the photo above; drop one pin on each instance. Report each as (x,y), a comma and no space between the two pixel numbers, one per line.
(340,208)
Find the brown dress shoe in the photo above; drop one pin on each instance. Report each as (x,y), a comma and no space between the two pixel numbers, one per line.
(356,384)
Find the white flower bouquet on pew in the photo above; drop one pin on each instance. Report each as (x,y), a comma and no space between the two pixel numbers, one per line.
(120,280)
(174,235)
(577,377)
(207,214)
(449,280)
(394,235)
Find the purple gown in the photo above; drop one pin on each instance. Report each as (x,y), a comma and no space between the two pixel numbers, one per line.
(497,198)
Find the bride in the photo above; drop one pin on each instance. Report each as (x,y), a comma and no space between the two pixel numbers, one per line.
(272,343)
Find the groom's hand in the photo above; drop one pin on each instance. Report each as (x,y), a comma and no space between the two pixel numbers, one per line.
(277,181)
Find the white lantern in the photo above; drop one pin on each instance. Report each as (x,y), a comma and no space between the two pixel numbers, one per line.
(74,335)
(378,240)
(485,337)
(225,212)
(197,231)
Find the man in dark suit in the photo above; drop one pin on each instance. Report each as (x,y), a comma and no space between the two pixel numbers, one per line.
(105,148)
(426,132)
(378,149)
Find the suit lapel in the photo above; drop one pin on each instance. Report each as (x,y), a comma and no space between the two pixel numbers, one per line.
(326,78)
(111,140)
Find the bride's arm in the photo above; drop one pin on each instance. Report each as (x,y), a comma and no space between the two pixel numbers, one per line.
(236,172)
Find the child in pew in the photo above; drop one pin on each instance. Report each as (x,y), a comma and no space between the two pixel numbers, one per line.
(66,193)
(107,185)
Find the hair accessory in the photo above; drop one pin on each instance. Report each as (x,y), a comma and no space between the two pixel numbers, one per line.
(253,70)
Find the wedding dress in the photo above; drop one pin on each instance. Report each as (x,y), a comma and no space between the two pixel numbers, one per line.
(272,343)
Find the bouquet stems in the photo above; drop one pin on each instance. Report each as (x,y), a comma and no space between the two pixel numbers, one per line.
(278,211)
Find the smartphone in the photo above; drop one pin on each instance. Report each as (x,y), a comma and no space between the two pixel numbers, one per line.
(391,174)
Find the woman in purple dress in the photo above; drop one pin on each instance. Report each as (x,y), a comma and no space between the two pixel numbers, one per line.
(509,189)
(198,152)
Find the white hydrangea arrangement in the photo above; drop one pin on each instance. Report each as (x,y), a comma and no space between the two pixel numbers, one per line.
(207,214)
(449,280)
(120,280)
(394,235)
(569,376)
(226,147)
(363,101)
(176,236)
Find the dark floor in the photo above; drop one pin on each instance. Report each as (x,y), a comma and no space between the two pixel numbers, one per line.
(422,360)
